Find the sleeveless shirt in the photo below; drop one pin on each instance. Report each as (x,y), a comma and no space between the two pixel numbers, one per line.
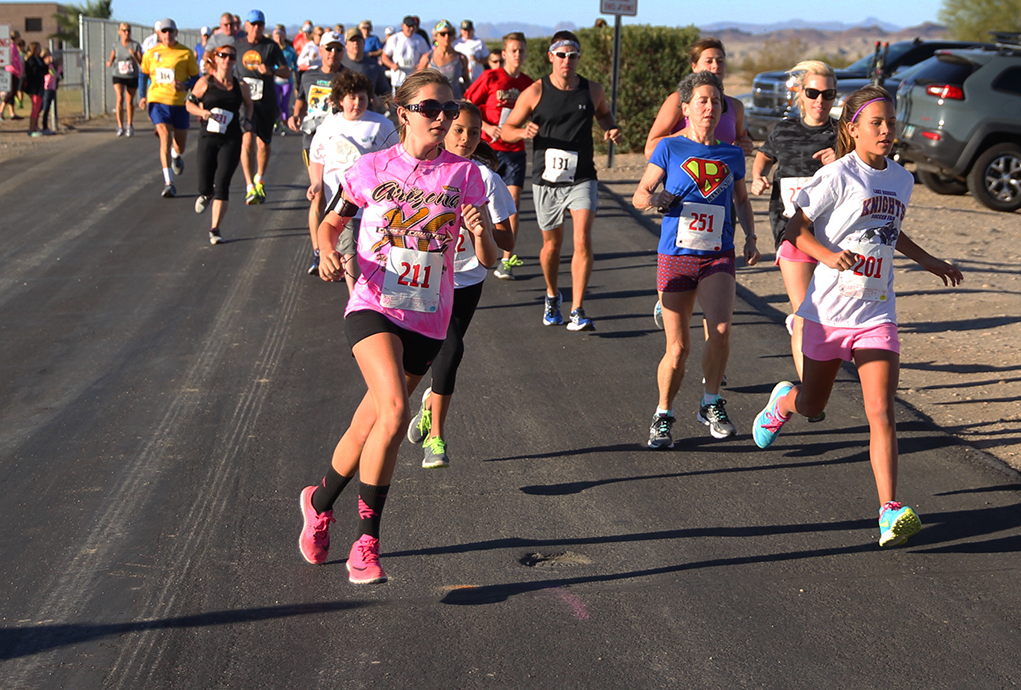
(565,123)
(452,71)
(232,101)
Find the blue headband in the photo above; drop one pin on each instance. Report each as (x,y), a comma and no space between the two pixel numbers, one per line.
(563,43)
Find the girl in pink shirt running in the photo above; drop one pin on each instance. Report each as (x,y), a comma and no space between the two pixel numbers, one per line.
(415,198)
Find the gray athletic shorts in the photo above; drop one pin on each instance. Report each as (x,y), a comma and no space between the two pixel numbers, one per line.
(347,243)
(551,203)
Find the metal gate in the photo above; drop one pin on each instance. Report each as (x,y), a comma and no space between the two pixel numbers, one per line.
(97,37)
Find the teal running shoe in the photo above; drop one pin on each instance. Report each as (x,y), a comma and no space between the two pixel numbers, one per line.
(897,523)
(766,426)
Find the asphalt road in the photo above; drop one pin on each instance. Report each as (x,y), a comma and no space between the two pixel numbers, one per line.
(164,401)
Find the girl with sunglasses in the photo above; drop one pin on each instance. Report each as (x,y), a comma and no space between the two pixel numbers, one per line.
(445,60)
(415,197)
(848,218)
(224,105)
(798,147)
(470,268)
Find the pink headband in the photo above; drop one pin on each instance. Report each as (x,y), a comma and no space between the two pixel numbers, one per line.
(865,104)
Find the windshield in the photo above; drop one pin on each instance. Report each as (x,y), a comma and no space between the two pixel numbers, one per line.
(866,63)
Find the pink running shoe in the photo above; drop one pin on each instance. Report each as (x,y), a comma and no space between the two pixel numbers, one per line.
(314,540)
(363,563)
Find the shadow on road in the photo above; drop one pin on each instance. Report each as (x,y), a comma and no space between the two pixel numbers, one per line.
(32,639)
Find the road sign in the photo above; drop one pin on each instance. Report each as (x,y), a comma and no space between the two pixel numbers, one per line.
(5,45)
(628,8)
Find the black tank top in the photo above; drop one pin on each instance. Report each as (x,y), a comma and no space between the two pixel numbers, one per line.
(565,124)
(231,101)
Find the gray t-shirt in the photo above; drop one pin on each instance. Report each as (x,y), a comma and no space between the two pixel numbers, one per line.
(315,92)
(372,70)
(218,41)
(123,64)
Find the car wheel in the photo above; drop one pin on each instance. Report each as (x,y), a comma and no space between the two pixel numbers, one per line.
(942,184)
(995,179)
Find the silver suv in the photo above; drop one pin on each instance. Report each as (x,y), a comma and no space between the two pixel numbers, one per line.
(959,122)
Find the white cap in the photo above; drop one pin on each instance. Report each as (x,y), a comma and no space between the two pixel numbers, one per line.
(204,31)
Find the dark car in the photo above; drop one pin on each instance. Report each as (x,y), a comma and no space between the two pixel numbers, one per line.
(959,122)
(773,99)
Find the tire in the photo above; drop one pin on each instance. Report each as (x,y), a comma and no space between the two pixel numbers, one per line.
(942,185)
(995,178)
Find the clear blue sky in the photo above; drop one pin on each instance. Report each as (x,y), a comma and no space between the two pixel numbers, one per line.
(194,13)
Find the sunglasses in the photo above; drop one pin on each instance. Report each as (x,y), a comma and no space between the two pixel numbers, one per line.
(567,56)
(431,109)
(168,31)
(827,95)
(227,56)
(444,33)
(331,48)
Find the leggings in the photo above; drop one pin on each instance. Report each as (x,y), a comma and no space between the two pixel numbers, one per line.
(284,98)
(445,365)
(218,158)
(37,106)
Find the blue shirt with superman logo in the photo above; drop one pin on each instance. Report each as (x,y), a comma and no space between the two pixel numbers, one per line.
(702,178)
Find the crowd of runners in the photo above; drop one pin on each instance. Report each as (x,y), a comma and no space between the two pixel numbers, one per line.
(416,156)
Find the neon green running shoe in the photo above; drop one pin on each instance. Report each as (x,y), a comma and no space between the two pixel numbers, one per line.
(422,422)
(435,454)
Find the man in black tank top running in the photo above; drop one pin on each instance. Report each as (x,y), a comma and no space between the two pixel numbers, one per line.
(557,112)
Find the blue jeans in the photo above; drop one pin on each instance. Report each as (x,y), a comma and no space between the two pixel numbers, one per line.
(48,98)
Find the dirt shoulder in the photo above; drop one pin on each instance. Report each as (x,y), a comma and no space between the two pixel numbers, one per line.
(961,347)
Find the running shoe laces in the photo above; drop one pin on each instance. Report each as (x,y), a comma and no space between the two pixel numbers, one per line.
(437,445)
(716,412)
(513,262)
(774,420)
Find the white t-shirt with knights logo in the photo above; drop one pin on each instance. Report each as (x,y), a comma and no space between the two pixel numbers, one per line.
(338,143)
(856,207)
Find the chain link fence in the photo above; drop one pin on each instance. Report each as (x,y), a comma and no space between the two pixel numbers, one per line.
(97,37)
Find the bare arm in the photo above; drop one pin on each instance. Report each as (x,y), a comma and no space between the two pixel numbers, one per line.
(799,233)
(666,119)
(518,125)
(603,115)
(760,169)
(742,140)
(113,52)
(743,206)
(196,109)
(646,194)
(331,263)
(950,274)
(503,236)
(476,220)
(423,62)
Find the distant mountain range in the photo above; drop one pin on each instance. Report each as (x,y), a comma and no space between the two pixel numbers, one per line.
(798,24)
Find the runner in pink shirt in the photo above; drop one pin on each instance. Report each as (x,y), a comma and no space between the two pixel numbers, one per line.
(415,198)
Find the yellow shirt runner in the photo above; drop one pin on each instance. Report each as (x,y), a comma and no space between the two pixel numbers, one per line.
(165,66)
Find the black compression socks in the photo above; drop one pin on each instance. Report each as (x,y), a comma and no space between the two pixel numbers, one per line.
(370,507)
(326,493)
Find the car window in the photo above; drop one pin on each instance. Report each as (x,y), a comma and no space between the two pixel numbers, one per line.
(944,69)
(1009,80)
(865,64)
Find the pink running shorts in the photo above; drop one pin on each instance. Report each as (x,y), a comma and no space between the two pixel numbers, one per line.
(823,343)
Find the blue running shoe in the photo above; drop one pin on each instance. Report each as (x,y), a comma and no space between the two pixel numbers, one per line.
(580,322)
(657,315)
(551,315)
(767,423)
(897,523)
